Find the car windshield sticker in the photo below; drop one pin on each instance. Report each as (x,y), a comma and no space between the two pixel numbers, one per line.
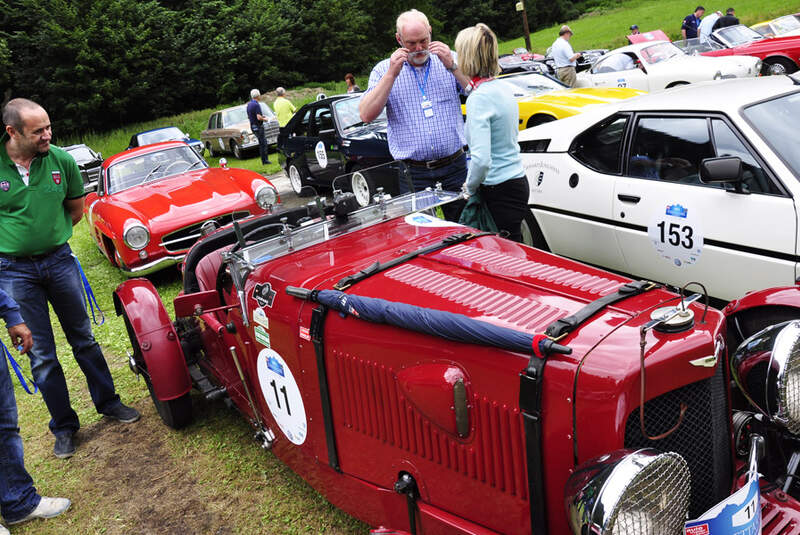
(260,317)
(738,514)
(676,235)
(425,220)
(264,295)
(282,395)
(621,82)
(322,156)
(262,336)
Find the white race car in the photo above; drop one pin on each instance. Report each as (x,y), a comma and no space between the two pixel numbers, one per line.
(694,184)
(656,65)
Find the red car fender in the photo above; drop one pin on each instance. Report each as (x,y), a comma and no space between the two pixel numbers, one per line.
(786,296)
(160,347)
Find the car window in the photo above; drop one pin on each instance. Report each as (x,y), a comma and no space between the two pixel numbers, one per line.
(535,83)
(266,111)
(212,121)
(738,35)
(162,134)
(659,52)
(776,122)
(151,166)
(615,63)
(670,149)
(348,115)
(300,127)
(785,24)
(323,120)
(234,116)
(599,147)
(727,144)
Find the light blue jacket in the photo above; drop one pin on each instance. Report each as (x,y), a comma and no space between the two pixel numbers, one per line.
(492,128)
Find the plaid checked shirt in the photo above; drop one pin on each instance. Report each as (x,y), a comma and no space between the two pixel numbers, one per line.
(411,134)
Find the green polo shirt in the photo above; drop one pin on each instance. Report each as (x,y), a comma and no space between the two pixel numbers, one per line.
(33,218)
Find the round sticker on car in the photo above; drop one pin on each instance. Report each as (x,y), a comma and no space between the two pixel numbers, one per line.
(676,235)
(282,395)
(322,156)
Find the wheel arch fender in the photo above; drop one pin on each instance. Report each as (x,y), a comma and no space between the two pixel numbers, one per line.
(784,296)
(156,337)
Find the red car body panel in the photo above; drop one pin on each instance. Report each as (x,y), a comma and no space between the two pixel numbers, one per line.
(165,205)
(389,387)
(785,47)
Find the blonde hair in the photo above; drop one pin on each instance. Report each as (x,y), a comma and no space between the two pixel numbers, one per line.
(411,15)
(476,48)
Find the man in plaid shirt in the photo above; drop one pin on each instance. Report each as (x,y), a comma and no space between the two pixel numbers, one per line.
(419,85)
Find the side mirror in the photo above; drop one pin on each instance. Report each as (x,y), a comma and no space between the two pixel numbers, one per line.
(723,170)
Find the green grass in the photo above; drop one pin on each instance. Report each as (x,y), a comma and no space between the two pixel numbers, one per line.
(607,27)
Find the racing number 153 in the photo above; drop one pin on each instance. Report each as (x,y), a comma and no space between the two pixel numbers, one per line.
(676,234)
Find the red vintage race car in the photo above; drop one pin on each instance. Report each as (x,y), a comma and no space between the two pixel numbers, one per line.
(153,202)
(431,379)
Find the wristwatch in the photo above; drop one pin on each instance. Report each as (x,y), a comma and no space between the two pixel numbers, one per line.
(453,67)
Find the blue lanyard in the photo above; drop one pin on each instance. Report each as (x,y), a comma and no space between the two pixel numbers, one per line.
(425,80)
(18,371)
(90,295)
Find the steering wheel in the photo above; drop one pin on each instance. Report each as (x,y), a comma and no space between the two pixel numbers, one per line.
(166,170)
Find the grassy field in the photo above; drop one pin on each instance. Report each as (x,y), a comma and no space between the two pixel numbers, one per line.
(607,28)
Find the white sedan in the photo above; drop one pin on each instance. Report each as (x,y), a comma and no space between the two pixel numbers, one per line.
(694,184)
(656,65)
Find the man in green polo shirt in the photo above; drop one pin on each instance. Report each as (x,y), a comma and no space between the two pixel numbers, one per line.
(41,198)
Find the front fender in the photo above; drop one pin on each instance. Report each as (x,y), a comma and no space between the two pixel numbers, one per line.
(786,296)
(156,339)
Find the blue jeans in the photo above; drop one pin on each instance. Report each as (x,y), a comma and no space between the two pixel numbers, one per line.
(55,278)
(263,148)
(18,497)
(452,176)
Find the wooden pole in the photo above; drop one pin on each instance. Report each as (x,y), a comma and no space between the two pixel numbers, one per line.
(521,7)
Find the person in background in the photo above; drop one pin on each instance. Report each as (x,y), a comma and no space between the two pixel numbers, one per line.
(565,58)
(351,83)
(283,107)
(19,501)
(729,19)
(691,23)
(41,198)
(492,124)
(419,85)
(257,124)
(635,29)
(707,24)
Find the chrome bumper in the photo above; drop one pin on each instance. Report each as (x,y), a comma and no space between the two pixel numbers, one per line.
(152,267)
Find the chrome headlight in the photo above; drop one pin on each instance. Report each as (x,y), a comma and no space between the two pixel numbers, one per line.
(266,196)
(766,367)
(759,63)
(645,492)
(136,236)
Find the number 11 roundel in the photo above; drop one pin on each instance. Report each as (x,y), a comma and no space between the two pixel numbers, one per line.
(282,395)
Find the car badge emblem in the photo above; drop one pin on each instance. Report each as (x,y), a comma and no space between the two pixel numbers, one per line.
(705,362)
(264,295)
(5,185)
(540,178)
(677,210)
(57,177)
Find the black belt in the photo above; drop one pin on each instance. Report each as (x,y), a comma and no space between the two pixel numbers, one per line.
(29,258)
(436,164)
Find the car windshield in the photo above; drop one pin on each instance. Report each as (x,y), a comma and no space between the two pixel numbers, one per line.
(698,45)
(786,24)
(660,52)
(81,154)
(234,116)
(775,120)
(151,166)
(266,111)
(534,83)
(737,35)
(346,110)
(162,134)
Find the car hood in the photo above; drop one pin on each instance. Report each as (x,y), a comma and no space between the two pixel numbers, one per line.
(581,97)
(196,195)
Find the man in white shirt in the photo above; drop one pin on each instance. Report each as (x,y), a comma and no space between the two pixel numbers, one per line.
(707,24)
(564,57)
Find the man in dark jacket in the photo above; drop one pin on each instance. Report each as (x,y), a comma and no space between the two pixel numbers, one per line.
(728,20)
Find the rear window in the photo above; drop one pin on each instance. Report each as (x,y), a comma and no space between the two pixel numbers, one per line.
(599,147)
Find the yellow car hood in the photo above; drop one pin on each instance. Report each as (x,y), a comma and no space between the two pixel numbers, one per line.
(576,99)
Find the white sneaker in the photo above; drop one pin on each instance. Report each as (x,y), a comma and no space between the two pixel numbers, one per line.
(3,530)
(47,508)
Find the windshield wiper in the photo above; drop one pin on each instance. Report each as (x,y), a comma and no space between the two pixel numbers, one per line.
(152,171)
(195,163)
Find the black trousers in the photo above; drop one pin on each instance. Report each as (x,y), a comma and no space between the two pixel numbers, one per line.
(508,202)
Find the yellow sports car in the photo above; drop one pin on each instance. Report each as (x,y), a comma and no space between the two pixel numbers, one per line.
(542,98)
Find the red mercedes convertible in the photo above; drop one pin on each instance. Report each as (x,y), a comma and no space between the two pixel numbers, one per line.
(152,203)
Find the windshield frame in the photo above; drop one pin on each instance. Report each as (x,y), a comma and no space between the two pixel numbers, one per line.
(768,141)
(188,154)
(666,45)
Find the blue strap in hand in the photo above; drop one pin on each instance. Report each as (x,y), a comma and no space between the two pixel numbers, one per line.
(90,295)
(17,370)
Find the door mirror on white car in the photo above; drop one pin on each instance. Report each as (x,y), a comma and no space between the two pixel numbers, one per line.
(726,169)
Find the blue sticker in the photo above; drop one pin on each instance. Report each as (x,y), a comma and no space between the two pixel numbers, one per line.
(274,365)
(419,218)
(677,210)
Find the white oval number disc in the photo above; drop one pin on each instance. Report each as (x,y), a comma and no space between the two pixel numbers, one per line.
(282,394)
(322,156)
(676,235)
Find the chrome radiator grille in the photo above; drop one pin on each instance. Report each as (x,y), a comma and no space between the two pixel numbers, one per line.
(182,239)
(703,438)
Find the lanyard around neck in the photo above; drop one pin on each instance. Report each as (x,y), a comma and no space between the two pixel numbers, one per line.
(424,80)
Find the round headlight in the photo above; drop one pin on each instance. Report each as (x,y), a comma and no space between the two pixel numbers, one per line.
(645,492)
(136,236)
(266,197)
(766,367)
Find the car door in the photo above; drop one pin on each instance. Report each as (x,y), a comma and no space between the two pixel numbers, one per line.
(323,153)
(619,70)
(673,228)
(571,193)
